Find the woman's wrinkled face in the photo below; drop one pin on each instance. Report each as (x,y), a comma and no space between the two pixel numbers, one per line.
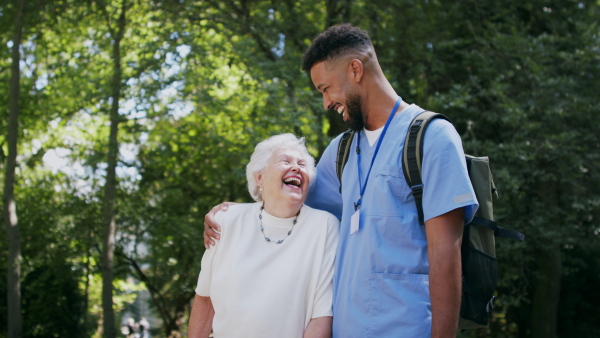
(284,178)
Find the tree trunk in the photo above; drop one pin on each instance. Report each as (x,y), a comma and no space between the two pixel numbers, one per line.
(108,240)
(546,294)
(13,271)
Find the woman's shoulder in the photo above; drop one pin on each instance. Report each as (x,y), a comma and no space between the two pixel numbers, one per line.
(234,218)
(325,224)
(236,211)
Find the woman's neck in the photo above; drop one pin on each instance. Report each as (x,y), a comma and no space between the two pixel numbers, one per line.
(282,209)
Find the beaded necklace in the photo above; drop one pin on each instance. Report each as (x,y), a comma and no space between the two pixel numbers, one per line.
(263,229)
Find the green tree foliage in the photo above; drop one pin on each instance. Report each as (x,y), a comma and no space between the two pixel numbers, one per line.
(201,82)
(9,210)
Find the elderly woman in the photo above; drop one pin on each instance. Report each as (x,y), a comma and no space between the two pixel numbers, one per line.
(270,273)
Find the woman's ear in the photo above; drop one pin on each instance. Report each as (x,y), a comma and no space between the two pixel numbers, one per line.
(356,70)
(258,178)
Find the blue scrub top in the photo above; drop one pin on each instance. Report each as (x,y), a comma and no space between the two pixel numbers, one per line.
(381,281)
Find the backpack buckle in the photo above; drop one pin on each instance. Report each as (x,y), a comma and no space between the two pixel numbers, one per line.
(417,190)
(490,305)
(415,127)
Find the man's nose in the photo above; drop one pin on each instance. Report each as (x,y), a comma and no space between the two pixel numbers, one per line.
(327,103)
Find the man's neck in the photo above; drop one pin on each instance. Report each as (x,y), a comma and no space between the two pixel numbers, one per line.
(378,114)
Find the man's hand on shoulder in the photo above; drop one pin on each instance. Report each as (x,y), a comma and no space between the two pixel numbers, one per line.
(211,228)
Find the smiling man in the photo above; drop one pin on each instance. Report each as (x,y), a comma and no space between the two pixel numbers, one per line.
(393,277)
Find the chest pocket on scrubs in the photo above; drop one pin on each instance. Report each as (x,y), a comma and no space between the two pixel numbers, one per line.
(389,191)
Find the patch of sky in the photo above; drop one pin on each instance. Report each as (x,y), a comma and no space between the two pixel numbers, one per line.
(169,97)
(128,168)
(28,66)
(183,50)
(83,120)
(36,145)
(130,109)
(89,44)
(144,137)
(173,66)
(128,153)
(154,76)
(279,49)
(54,123)
(58,159)
(24,70)
(271,14)
(42,81)
(180,109)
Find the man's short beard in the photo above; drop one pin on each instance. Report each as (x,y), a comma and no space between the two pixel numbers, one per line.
(354,111)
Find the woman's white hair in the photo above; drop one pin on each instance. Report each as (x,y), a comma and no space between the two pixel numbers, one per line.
(263,152)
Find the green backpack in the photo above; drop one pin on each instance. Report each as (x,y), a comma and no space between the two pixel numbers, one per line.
(478,251)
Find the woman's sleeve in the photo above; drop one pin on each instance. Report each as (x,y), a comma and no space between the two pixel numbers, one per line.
(206,267)
(324,293)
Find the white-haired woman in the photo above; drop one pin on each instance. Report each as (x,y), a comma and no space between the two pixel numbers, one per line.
(270,273)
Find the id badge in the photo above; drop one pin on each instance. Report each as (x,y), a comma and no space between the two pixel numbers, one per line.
(354,222)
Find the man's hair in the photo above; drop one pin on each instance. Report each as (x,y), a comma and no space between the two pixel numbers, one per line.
(334,42)
(263,152)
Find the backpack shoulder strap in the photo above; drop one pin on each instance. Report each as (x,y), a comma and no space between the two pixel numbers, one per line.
(343,153)
(412,156)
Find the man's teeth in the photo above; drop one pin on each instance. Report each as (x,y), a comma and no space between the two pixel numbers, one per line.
(293,181)
(341,110)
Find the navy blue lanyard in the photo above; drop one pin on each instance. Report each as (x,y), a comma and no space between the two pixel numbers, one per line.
(387,124)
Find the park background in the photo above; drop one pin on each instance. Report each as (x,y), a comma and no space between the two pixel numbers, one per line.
(124,121)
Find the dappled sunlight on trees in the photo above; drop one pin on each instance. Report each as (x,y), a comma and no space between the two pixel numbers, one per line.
(190,87)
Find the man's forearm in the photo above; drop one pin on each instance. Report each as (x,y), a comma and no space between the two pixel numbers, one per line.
(444,237)
(445,292)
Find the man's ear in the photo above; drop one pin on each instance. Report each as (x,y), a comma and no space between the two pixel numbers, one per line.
(356,70)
